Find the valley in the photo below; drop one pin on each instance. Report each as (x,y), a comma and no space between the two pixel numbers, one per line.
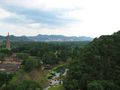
(61,65)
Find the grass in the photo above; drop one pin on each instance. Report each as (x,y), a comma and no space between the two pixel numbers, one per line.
(57,87)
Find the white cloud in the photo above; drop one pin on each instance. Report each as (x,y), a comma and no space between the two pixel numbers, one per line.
(45,4)
(4,14)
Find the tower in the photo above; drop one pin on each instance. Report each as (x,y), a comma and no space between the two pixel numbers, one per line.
(8,42)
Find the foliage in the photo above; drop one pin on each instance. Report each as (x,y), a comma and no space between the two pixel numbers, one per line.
(100,60)
(25,85)
(5,78)
(36,54)
(22,56)
(57,87)
(50,53)
(3,53)
(31,63)
(102,85)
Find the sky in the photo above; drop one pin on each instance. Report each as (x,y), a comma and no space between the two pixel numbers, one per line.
(59,17)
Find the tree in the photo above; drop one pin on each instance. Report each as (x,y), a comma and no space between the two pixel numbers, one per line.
(97,67)
(2,57)
(25,85)
(31,63)
(5,78)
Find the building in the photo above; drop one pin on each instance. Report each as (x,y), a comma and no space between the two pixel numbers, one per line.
(8,42)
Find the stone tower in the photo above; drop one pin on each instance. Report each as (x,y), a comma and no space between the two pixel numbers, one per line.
(8,42)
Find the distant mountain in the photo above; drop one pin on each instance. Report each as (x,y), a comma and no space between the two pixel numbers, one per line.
(15,38)
(59,38)
(46,38)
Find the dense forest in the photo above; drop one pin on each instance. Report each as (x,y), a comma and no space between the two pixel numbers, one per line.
(50,53)
(35,56)
(97,67)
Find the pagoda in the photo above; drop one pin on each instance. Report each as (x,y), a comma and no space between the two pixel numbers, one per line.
(8,42)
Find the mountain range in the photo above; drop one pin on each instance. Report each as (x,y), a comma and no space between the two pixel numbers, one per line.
(47,38)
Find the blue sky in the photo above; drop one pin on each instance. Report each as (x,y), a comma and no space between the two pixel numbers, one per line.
(67,17)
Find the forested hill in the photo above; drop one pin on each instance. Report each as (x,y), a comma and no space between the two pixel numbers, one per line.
(47,38)
(97,67)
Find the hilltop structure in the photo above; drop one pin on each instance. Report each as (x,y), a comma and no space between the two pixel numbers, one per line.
(8,42)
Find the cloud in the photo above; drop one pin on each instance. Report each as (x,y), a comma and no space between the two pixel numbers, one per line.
(33,21)
(4,14)
(45,17)
(68,17)
(44,4)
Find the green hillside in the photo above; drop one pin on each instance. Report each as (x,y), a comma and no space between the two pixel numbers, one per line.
(97,67)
